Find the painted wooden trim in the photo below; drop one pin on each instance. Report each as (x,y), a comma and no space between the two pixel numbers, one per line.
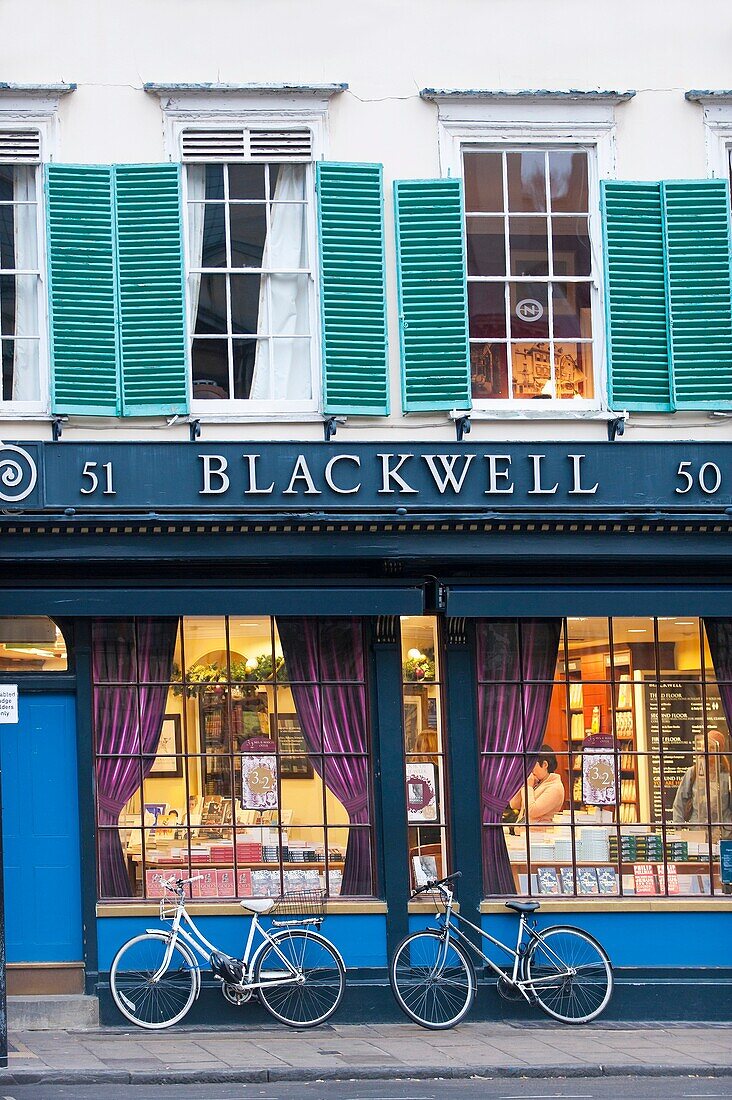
(621,905)
(333,908)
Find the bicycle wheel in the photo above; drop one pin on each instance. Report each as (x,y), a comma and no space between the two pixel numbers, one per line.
(570,974)
(433,983)
(153,1005)
(314,996)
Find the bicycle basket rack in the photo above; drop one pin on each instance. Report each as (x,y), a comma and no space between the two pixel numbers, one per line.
(302,903)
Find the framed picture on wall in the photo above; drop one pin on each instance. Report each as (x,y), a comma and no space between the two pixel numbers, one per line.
(294,760)
(168,763)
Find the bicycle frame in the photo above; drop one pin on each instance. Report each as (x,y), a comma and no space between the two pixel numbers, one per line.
(198,943)
(448,928)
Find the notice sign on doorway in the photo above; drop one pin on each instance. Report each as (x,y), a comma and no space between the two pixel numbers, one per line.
(8,703)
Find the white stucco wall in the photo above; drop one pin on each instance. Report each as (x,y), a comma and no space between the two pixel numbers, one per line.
(386,52)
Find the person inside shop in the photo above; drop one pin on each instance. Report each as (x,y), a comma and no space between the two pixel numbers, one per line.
(690,803)
(544,788)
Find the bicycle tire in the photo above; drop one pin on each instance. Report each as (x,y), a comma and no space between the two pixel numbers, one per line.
(573,999)
(164,1004)
(313,1000)
(437,1002)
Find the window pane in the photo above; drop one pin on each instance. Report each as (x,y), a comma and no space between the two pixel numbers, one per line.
(679,644)
(287,312)
(248,233)
(341,650)
(489,370)
(529,246)
(246,291)
(571,305)
(7,237)
(526,181)
(31,644)
(531,365)
(20,368)
(210,369)
(7,305)
(7,172)
(568,181)
(571,253)
(486,246)
(211,312)
(246,181)
(212,249)
(287,182)
(529,305)
(487,310)
(246,354)
(214,181)
(573,370)
(483,182)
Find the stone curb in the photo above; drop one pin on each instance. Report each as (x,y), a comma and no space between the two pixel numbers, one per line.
(352,1073)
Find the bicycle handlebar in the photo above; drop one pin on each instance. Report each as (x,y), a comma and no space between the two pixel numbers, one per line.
(179,883)
(435,884)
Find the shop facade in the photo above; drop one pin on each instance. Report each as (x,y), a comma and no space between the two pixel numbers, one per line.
(320,668)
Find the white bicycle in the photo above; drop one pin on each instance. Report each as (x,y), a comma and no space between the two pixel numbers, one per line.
(297,974)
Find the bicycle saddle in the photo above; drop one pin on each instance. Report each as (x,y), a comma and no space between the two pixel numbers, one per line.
(258,905)
(522,906)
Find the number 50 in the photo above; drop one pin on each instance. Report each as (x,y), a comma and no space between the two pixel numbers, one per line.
(709,477)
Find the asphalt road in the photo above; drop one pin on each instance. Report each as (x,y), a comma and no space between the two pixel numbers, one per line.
(602,1088)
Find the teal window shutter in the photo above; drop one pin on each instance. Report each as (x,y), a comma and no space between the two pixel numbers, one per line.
(352,288)
(635,297)
(432,289)
(697,228)
(82,289)
(153,352)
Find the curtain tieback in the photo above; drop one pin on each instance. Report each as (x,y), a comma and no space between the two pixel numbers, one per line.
(494,804)
(109,805)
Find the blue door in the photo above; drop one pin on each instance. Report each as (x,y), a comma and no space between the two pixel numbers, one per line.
(41,831)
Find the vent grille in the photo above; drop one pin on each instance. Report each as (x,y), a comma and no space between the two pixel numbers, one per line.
(212,144)
(267,144)
(20,146)
(238,143)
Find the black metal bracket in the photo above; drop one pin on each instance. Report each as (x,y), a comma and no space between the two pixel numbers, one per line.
(330,427)
(57,428)
(462,427)
(195,429)
(615,428)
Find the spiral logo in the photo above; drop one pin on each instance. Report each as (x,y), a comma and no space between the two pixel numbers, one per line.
(18,474)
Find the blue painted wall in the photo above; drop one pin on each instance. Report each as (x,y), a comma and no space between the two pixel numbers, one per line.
(631,939)
(361,938)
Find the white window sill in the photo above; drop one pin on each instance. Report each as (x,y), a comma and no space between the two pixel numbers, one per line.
(548,411)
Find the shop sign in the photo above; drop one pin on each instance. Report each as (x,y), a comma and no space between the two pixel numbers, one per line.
(9,704)
(295,477)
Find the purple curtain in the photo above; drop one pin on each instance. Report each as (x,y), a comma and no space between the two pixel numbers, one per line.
(719,636)
(127,724)
(336,712)
(512,717)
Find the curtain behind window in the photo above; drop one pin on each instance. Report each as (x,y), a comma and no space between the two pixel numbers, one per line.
(26,383)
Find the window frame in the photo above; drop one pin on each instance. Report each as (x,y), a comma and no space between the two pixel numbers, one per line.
(44,119)
(496,127)
(180,115)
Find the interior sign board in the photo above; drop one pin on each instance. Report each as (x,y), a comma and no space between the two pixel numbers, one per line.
(8,704)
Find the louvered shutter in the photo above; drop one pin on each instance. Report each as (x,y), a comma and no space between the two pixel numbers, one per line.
(82,289)
(697,226)
(432,290)
(352,288)
(153,359)
(635,295)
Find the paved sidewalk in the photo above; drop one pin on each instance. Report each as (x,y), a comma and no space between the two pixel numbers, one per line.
(385,1051)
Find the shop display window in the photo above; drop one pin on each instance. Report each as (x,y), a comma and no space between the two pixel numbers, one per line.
(233,747)
(605,755)
(424,749)
(530,273)
(31,643)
